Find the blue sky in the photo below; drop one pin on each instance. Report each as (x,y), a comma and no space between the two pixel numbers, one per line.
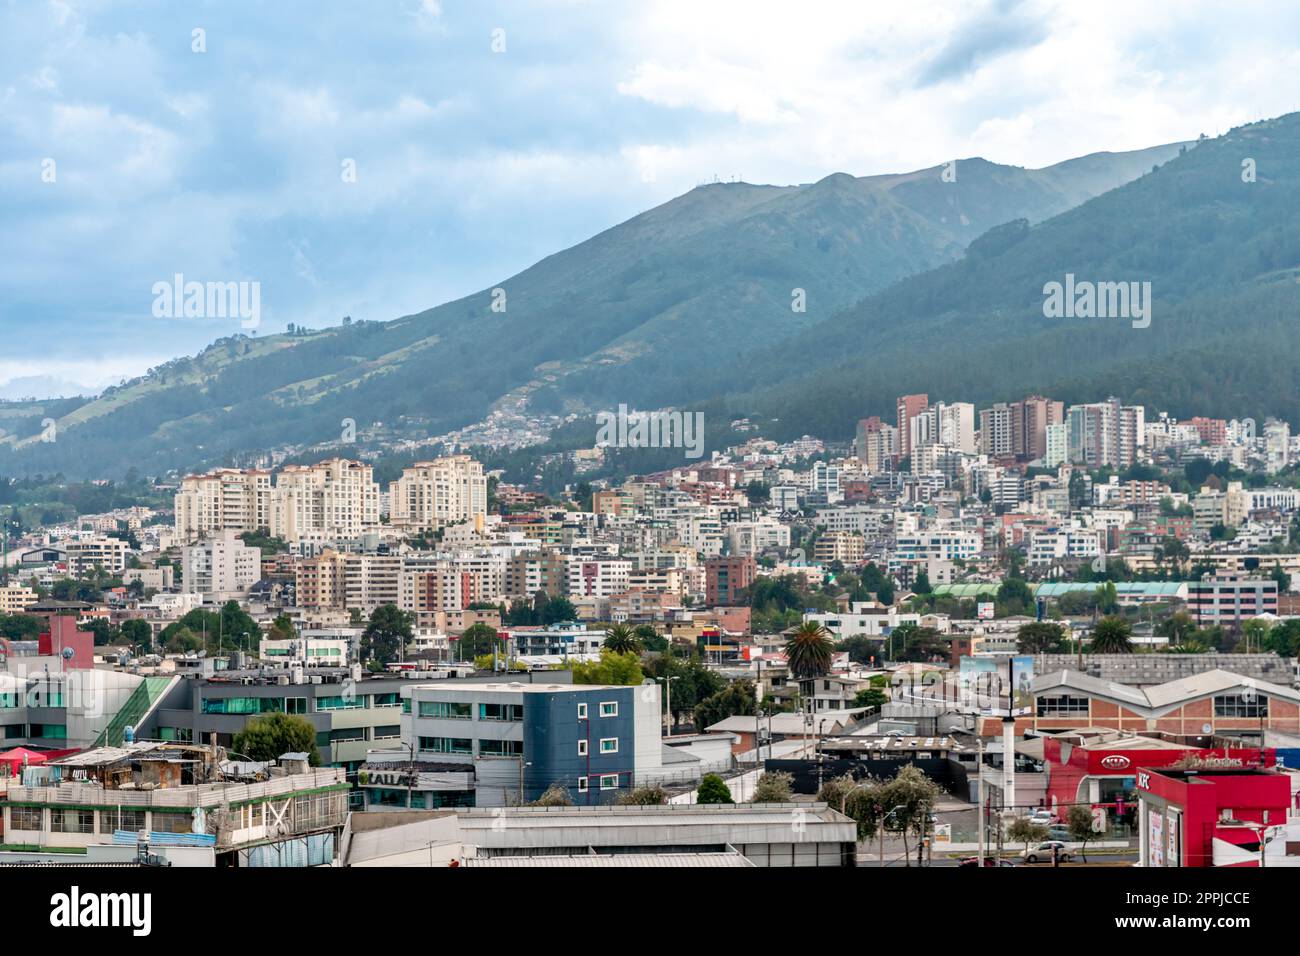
(472,163)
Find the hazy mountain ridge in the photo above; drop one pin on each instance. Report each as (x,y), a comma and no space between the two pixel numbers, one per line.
(648,311)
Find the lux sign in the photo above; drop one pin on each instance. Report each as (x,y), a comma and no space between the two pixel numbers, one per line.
(1115,762)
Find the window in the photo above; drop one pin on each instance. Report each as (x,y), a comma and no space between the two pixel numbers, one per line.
(72,821)
(609,781)
(116,818)
(609,708)
(448,709)
(446,745)
(388,700)
(500,711)
(50,731)
(582,711)
(9,700)
(1236,705)
(388,731)
(242,705)
(406,705)
(609,745)
(359,702)
(295,705)
(500,748)
(582,748)
(582,785)
(26,818)
(171,823)
(1063,706)
(183,735)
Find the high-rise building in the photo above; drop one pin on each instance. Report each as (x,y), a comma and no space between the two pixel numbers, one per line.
(228,499)
(877,444)
(1036,415)
(955,426)
(221,567)
(1106,434)
(725,578)
(909,406)
(433,494)
(1019,428)
(336,499)
(1057,445)
(997,432)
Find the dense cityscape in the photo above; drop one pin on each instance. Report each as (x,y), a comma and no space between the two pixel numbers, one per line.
(778,625)
(850,443)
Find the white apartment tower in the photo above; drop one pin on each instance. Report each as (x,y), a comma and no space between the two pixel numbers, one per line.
(227,499)
(434,494)
(337,498)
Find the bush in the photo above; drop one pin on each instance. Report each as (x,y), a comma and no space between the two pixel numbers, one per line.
(654,796)
(713,790)
(556,795)
(774,787)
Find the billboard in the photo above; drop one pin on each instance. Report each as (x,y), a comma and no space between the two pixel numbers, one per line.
(985,610)
(998,686)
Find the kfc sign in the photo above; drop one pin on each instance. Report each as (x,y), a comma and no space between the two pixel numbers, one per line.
(1116,762)
(1144,781)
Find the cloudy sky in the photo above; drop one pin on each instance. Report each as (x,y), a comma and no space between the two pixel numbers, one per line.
(486,135)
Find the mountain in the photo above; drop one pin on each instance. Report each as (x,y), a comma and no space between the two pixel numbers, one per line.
(1219,247)
(645,312)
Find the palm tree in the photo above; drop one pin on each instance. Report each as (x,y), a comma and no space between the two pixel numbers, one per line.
(809,651)
(1111,636)
(621,639)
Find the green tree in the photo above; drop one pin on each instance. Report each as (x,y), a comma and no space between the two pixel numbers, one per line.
(1026,831)
(736,699)
(911,797)
(622,640)
(713,790)
(1112,635)
(870,697)
(1041,638)
(558,610)
(774,787)
(922,585)
(1078,820)
(181,641)
(270,736)
(612,668)
(386,634)
(477,640)
(809,651)
(138,633)
(651,640)
(1013,597)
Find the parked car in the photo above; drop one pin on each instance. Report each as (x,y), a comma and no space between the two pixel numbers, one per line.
(1058,831)
(1045,850)
(1042,815)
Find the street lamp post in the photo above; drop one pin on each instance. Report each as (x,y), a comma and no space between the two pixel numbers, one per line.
(668,689)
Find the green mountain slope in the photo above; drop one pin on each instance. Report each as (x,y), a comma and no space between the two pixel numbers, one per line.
(1223,259)
(645,312)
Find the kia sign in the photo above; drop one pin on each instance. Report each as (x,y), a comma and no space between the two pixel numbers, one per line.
(1116,762)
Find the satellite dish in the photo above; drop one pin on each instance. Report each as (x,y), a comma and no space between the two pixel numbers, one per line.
(68,653)
(1207,729)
